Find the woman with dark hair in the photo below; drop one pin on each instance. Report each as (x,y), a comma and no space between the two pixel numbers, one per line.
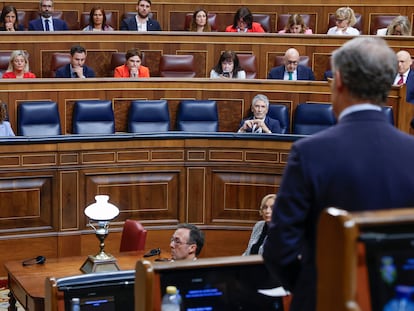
(97,20)
(9,20)
(228,66)
(132,67)
(296,24)
(5,127)
(243,22)
(199,21)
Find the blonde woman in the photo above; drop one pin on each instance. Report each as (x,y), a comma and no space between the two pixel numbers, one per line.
(344,19)
(259,232)
(18,66)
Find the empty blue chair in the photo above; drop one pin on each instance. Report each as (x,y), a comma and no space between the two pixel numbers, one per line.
(197,116)
(148,116)
(38,118)
(311,118)
(281,113)
(389,114)
(93,117)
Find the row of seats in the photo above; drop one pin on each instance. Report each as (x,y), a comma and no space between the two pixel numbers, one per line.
(217,23)
(97,117)
(182,66)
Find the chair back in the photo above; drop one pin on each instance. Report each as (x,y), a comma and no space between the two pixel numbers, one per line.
(38,118)
(264,20)
(133,236)
(93,117)
(211,17)
(310,118)
(197,116)
(249,64)
(58,60)
(358,25)
(281,113)
(148,116)
(4,61)
(178,66)
(389,114)
(378,21)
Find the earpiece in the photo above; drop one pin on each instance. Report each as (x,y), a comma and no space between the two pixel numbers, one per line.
(33,261)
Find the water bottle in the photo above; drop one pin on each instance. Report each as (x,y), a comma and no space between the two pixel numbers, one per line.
(75,305)
(171,300)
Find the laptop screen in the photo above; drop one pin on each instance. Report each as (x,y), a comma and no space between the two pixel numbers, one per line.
(112,291)
(390,263)
(223,288)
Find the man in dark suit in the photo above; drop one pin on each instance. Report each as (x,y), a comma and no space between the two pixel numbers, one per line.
(76,68)
(260,122)
(291,70)
(46,22)
(361,163)
(141,21)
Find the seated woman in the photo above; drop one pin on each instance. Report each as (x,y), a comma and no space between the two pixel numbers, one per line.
(5,127)
(228,67)
(243,22)
(259,232)
(399,26)
(132,67)
(296,24)
(97,20)
(9,20)
(345,19)
(199,21)
(18,66)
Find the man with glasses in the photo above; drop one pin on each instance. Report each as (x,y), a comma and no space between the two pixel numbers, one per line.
(186,242)
(291,69)
(141,21)
(46,22)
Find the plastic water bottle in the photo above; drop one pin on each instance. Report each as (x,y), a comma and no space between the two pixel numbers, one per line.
(171,300)
(75,304)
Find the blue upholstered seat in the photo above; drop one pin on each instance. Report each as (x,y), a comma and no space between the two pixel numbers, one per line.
(148,116)
(389,114)
(310,118)
(281,113)
(38,118)
(197,116)
(93,117)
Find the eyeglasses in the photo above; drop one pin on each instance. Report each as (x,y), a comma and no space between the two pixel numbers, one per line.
(46,6)
(178,242)
(292,62)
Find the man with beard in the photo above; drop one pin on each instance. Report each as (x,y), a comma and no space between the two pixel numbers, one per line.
(141,21)
(46,22)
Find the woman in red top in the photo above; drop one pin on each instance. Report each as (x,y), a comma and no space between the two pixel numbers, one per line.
(18,66)
(132,67)
(243,22)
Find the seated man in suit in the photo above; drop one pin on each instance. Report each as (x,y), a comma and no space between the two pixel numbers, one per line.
(405,75)
(291,70)
(141,21)
(76,68)
(186,242)
(46,22)
(259,122)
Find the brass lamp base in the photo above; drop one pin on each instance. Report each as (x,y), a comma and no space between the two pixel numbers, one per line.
(94,264)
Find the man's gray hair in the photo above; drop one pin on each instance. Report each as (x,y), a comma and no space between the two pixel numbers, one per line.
(262,98)
(367,66)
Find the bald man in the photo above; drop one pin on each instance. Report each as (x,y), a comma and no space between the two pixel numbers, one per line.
(291,70)
(404,64)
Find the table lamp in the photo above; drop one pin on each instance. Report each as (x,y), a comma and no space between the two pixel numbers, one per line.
(101,212)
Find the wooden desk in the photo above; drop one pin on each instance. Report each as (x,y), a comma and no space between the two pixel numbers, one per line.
(26,283)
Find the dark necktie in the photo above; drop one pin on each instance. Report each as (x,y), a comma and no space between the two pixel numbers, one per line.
(401,81)
(290,75)
(47,25)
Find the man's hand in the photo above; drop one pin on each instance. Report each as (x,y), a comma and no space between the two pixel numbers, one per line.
(79,72)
